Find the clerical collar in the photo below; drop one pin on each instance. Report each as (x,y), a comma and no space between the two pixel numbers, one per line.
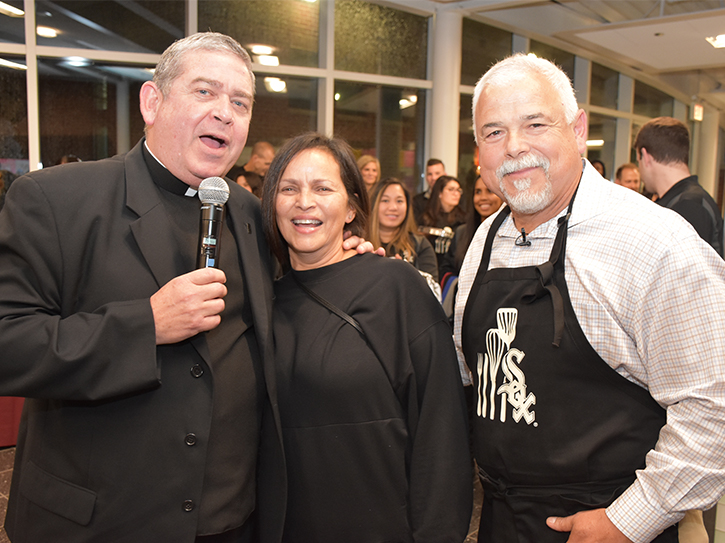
(163,177)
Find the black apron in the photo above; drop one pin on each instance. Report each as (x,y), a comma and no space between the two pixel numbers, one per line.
(556,429)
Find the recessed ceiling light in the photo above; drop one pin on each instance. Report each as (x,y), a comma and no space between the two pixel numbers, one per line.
(268,60)
(77,61)
(408,101)
(595,143)
(261,49)
(718,42)
(13,65)
(10,11)
(275,84)
(46,32)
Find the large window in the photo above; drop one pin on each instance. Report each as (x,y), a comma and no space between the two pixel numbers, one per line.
(12,27)
(651,102)
(289,30)
(283,107)
(80,112)
(559,57)
(602,141)
(604,87)
(467,151)
(13,116)
(378,40)
(141,26)
(482,46)
(386,122)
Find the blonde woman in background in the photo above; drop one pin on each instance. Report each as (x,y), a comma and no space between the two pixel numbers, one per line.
(370,170)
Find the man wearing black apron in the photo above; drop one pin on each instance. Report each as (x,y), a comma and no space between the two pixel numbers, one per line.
(559,435)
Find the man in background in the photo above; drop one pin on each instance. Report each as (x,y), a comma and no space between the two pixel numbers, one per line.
(628,176)
(433,170)
(663,153)
(260,159)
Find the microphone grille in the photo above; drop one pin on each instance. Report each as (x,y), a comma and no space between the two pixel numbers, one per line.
(214,190)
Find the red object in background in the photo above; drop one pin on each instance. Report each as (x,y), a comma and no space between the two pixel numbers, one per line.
(10,409)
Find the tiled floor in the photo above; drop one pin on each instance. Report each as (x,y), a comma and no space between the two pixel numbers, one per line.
(6,470)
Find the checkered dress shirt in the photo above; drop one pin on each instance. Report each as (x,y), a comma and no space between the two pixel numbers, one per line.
(649,295)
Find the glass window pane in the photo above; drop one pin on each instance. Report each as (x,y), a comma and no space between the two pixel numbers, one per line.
(379,40)
(289,29)
(142,26)
(13,117)
(467,151)
(280,114)
(651,102)
(604,87)
(386,122)
(561,58)
(601,141)
(12,28)
(482,47)
(79,113)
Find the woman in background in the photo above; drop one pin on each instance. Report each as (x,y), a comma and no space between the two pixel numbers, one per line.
(442,215)
(248,180)
(370,170)
(484,204)
(392,227)
(371,405)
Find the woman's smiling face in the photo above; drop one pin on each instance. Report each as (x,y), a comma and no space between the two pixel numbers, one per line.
(312,209)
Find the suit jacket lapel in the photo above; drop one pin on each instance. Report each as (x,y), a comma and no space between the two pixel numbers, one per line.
(152,230)
(256,272)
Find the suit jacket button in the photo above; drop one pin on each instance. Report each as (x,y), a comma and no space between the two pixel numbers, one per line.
(197,371)
(188,506)
(190,439)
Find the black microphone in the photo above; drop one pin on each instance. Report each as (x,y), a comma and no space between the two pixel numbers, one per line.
(213,193)
(521,241)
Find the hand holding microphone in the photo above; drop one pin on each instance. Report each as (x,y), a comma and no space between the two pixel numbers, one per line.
(192,303)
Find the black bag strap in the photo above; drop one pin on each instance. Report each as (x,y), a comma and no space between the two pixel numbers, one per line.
(336,310)
(352,322)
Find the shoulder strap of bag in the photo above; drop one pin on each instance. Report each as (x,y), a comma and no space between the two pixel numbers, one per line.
(336,310)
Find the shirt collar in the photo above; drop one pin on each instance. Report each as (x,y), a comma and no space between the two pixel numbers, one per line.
(163,177)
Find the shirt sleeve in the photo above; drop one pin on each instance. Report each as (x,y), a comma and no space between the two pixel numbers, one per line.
(678,326)
(440,466)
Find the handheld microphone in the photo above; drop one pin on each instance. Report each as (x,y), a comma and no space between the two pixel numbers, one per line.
(213,193)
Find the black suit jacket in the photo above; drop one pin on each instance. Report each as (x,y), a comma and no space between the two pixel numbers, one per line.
(101,451)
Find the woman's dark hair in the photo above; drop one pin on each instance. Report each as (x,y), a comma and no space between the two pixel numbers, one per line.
(604,168)
(350,174)
(434,214)
(473,221)
(400,243)
(254,180)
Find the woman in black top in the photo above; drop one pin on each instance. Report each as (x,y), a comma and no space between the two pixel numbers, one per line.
(484,203)
(371,404)
(442,215)
(392,227)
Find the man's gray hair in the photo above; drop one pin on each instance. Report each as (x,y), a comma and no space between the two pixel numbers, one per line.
(519,66)
(170,65)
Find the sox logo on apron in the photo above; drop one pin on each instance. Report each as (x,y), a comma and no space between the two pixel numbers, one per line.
(556,429)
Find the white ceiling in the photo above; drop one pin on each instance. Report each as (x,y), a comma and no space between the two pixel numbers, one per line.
(658,40)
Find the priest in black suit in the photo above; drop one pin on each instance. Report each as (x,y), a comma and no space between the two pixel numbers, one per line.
(146,379)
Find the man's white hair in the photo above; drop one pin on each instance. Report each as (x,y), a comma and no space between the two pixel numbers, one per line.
(520,66)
